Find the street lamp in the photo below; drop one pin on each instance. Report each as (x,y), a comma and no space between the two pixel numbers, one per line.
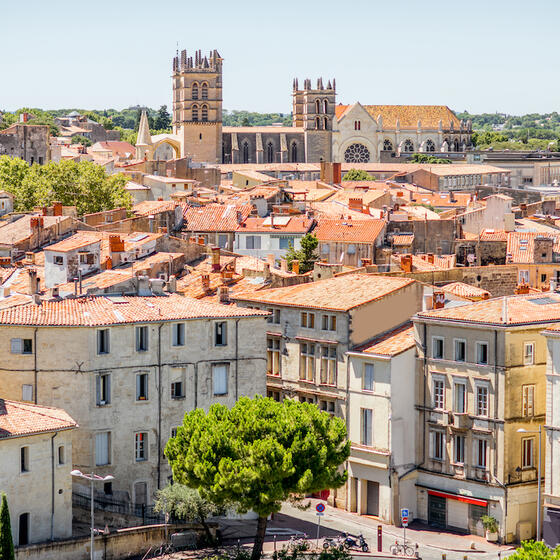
(92,478)
(524,431)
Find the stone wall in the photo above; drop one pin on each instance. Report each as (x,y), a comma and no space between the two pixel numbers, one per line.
(26,141)
(430,236)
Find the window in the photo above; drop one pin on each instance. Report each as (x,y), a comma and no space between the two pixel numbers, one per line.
(194,90)
(438,445)
(21,345)
(58,259)
(408,146)
(245,151)
(367,426)
(103,389)
(194,113)
(325,106)
(108,488)
(103,341)
(327,406)
(307,320)
(220,379)
(326,123)
(141,446)
(317,105)
(177,390)
(523,274)
(61,458)
(328,365)
(294,152)
(527,452)
(204,89)
(142,339)
(460,390)
(253,242)
(222,240)
(351,249)
(285,242)
(141,386)
(439,393)
(205,113)
(357,125)
(27,392)
(270,153)
(481,452)
(318,123)
(459,449)
(220,333)
(482,353)
(273,356)
(388,145)
(528,405)
(274,316)
(356,153)
(275,395)
(23,530)
(307,361)
(178,334)
(437,347)
(529,353)
(173,432)
(367,380)
(102,448)
(460,350)
(430,146)
(24,459)
(481,400)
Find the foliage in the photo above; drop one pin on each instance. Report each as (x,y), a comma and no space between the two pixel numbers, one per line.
(531,550)
(38,116)
(6,543)
(357,175)
(84,184)
(126,135)
(247,118)
(426,158)
(299,550)
(79,139)
(306,255)
(163,119)
(489,523)
(186,504)
(259,453)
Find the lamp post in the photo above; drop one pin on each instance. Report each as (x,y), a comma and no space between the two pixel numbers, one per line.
(524,431)
(92,478)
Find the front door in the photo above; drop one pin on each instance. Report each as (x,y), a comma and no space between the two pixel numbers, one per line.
(140,495)
(372,498)
(437,511)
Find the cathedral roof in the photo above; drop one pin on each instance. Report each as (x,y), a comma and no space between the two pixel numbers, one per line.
(408,115)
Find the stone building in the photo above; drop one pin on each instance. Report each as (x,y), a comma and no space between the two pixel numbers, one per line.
(26,141)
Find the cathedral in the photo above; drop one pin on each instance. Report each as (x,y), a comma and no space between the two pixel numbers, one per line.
(321,130)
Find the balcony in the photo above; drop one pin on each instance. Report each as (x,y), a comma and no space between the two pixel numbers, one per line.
(480,473)
(460,421)
(438,417)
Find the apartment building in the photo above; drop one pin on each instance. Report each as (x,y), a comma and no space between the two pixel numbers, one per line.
(128,369)
(312,327)
(481,399)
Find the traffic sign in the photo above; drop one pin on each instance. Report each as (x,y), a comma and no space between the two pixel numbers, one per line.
(405,522)
(319,514)
(320,508)
(404,512)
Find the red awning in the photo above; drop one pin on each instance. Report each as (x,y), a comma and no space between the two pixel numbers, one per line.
(465,499)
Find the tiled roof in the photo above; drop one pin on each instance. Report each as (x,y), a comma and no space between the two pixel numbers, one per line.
(18,419)
(115,146)
(282,224)
(340,293)
(215,217)
(521,245)
(392,343)
(21,229)
(493,235)
(447,169)
(153,207)
(76,241)
(349,231)
(94,311)
(338,210)
(466,291)
(508,310)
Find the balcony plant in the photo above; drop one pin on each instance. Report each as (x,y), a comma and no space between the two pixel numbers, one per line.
(490,524)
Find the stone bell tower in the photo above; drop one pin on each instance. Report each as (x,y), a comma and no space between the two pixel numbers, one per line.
(197,105)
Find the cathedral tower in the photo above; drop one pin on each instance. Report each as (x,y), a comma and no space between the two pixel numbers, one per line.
(314,111)
(197,105)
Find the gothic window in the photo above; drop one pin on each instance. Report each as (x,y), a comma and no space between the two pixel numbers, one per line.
(455,145)
(388,145)
(318,123)
(326,123)
(430,146)
(294,152)
(204,89)
(269,153)
(325,106)
(194,113)
(356,153)
(245,150)
(357,125)
(317,106)
(408,146)
(205,113)
(194,90)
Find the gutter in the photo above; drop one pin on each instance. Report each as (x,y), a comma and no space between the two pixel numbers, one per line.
(35,371)
(52,485)
(159,408)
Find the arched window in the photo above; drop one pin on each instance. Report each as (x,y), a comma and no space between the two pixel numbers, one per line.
(356,153)
(318,123)
(245,150)
(194,113)
(408,146)
(317,105)
(205,113)
(455,145)
(269,153)
(388,145)
(325,106)
(326,123)
(430,146)
(357,125)
(294,152)
(194,90)
(204,88)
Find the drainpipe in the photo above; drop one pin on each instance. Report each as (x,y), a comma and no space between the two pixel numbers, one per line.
(425,368)
(195,385)
(237,359)
(349,488)
(35,373)
(52,485)
(159,408)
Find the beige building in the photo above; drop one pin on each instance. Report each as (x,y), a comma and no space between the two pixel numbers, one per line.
(127,369)
(36,451)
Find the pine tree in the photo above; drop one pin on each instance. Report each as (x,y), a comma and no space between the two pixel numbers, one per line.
(6,543)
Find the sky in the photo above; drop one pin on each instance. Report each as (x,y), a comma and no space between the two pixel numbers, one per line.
(480,56)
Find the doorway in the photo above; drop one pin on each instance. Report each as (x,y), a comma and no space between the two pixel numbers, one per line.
(140,495)
(437,511)
(23,533)
(372,498)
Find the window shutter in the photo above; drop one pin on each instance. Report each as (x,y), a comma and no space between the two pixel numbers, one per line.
(102,448)
(98,389)
(220,379)
(138,377)
(137,341)
(27,392)
(108,389)
(16,346)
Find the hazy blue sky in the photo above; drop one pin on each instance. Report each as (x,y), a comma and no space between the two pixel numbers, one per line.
(492,55)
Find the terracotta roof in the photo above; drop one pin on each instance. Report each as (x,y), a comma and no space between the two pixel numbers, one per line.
(349,231)
(447,169)
(18,419)
(509,310)
(466,291)
(521,245)
(340,293)
(493,235)
(153,207)
(338,210)
(367,195)
(76,241)
(21,229)
(391,343)
(117,147)
(282,224)
(215,217)
(94,311)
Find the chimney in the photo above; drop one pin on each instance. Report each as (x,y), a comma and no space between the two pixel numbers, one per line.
(337,173)
(522,289)
(30,257)
(33,281)
(172,284)
(223,294)
(438,300)
(266,271)
(116,244)
(37,299)
(205,279)
(216,259)
(355,204)
(143,286)
(283,265)
(57,208)
(271,260)
(295,266)
(523,208)
(366,262)
(156,285)
(239,216)
(6,291)
(406,263)
(55,293)
(201,240)
(108,263)
(430,258)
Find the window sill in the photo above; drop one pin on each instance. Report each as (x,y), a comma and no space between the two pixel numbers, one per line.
(142,400)
(141,460)
(178,398)
(220,394)
(102,405)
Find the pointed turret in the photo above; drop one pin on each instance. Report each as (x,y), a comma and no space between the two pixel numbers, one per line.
(329,85)
(334,84)
(144,138)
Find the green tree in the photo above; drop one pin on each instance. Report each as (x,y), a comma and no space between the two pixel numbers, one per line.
(258,454)
(6,543)
(357,175)
(186,504)
(12,173)
(306,255)
(426,158)
(163,119)
(531,550)
(79,139)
